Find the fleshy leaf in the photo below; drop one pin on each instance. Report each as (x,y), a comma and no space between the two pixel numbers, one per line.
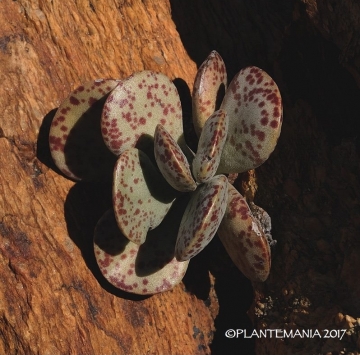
(211,143)
(254,106)
(172,162)
(146,269)
(75,140)
(141,196)
(209,78)
(244,239)
(202,217)
(136,106)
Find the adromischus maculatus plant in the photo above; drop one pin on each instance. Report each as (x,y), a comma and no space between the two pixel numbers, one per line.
(144,244)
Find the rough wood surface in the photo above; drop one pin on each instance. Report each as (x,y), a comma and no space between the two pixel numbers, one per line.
(53,299)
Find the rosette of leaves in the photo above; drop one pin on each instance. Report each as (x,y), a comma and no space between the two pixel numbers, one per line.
(144,245)
(253,104)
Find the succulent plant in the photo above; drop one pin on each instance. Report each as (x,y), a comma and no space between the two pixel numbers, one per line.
(168,202)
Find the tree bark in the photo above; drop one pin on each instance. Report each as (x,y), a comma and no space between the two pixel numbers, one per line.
(53,298)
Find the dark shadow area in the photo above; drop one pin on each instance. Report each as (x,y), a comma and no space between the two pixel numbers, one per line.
(313,72)
(237,29)
(155,255)
(86,154)
(275,34)
(145,143)
(42,145)
(186,105)
(321,101)
(235,296)
(234,292)
(84,206)
(220,96)
(158,187)
(108,237)
(159,247)
(196,280)
(86,203)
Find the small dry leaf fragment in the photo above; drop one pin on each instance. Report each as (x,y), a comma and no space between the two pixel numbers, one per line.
(141,196)
(253,104)
(211,143)
(136,106)
(146,269)
(75,140)
(202,217)
(243,238)
(172,162)
(210,76)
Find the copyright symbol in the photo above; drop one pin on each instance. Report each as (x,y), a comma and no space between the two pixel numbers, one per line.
(230,333)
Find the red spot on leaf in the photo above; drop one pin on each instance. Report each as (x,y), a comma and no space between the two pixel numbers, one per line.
(91,101)
(264,121)
(74,100)
(274,124)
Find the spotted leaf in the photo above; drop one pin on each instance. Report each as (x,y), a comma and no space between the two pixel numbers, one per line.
(172,162)
(244,239)
(136,106)
(146,269)
(75,140)
(141,196)
(253,103)
(202,217)
(209,78)
(211,143)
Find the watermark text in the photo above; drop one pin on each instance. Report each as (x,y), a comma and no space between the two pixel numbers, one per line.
(284,333)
